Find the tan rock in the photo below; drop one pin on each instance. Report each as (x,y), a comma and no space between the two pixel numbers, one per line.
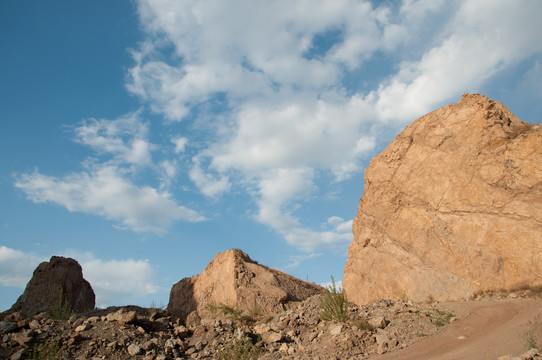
(261,328)
(82,328)
(234,280)
(134,349)
(193,319)
(122,316)
(335,329)
(271,337)
(452,206)
(378,322)
(21,338)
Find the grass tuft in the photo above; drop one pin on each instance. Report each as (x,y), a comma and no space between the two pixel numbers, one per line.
(238,349)
(154,308)
(63,310)
(47,351)
(530,337)
(234,314)
(334,304)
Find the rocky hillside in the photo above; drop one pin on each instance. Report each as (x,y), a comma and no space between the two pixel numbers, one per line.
(451,207)
(298,333)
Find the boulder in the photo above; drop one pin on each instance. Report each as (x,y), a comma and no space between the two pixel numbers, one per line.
(234,280)
(451,207)
(59,276)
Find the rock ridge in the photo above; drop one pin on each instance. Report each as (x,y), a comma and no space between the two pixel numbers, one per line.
(233,279)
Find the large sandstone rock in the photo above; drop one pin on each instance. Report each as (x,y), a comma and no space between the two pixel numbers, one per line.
(234,280)
(451,207)
(50,279)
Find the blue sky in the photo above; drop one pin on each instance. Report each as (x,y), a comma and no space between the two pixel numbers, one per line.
(143,137)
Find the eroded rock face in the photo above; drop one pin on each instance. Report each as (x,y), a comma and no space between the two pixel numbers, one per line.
(234,280)
(59,275)
(451,207)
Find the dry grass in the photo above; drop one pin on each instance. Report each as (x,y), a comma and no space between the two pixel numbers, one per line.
(238,349)
(532,338)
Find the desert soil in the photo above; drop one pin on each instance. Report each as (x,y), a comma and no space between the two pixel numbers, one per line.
(484,330)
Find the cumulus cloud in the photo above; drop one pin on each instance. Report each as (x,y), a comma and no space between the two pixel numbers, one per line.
(296,260)
(180,144)
(277,195)
(106,192)
(16,266)
(483,39)
(120,281)
(124,138)
(281,67)
(167,170)
(247,49)
(320,134)
(106,187)
(210,185)
(117,281)
(338,285)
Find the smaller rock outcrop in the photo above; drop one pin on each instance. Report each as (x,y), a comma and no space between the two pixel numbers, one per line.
(59,277)
(234,280)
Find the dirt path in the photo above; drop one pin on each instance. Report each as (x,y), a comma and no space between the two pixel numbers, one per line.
(484,330)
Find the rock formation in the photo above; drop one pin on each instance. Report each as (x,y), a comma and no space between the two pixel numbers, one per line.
(233,279)
(451,207)
(60,276)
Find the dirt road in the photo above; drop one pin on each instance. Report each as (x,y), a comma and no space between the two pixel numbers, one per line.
(484,330)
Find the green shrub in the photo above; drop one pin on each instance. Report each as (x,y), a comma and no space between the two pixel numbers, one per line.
(47,351)
(238,349)
(63,310)
(442,318)
(334,304)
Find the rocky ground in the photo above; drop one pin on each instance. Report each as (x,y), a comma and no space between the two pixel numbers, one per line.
(298,333)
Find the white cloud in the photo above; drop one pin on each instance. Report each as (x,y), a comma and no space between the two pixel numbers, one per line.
(106,192)
(124,138)
(290,118)
(180,144)
(277,193)
(484,38)
(296,260)
(116,282)
(322,134)
(16,266)
(338,285)
(210,185)
(168,172)
(247,49)
(120,281)
(340,224)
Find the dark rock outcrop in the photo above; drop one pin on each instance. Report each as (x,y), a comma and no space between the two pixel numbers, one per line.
(58,277)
